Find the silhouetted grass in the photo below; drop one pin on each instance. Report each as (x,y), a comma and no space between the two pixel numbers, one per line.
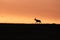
(27,23)
(32,31)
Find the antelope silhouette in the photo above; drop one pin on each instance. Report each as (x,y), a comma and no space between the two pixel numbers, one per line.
(37,20)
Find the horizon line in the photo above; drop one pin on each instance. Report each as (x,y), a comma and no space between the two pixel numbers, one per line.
(29,23)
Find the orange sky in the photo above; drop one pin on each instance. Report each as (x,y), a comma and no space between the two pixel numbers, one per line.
(24,11)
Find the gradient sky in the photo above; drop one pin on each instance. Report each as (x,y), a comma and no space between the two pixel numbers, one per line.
(24,11)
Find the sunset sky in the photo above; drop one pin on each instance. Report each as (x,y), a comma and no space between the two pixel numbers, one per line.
(24,11)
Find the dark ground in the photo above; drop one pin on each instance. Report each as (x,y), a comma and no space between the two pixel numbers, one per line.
(28,31)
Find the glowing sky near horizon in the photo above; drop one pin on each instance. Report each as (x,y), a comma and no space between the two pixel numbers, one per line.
(24,11)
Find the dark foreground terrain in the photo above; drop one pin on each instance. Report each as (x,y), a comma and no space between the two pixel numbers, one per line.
(28,31)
